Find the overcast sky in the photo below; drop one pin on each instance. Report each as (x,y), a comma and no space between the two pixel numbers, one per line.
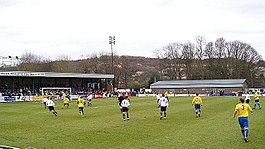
(52,28)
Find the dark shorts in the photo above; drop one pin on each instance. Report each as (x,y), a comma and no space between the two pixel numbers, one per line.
(163,108)
(81,108)
(197,106)
(247,100)
(124,109)
(66,104)
(243,122)
(257,101)
(51,108)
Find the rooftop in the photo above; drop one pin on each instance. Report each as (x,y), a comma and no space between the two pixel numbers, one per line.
(222,83)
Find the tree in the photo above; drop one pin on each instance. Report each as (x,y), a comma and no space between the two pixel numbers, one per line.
(137,85)
(61,64)
(188,56)
(170,60)
(212,60)
(93,64)
(199,63)
(31,62)
(154,77)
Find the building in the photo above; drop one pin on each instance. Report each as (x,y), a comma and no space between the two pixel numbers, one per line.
(214,87)
(14,81)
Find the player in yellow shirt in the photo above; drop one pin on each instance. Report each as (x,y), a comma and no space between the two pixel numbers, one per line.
(256,98)
(66,102)
(166,94)
(81,104)
(241,111)
(197,102)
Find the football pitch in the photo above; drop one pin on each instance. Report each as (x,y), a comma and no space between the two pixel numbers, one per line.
(28,124)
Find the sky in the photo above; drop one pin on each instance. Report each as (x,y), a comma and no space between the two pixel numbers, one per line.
(79,28)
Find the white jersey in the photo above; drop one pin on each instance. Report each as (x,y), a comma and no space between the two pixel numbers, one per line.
(125,103)
(157,96)
(44,100)
(89,97)
(247,97)
(163,102)
(50,103)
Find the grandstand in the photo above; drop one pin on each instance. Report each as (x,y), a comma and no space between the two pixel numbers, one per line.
(15,83)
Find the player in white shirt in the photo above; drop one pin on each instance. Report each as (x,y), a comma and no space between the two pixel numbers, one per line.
(44,100)
(125,108)
(89,99)
(163,104)
(50,104)
(247,99)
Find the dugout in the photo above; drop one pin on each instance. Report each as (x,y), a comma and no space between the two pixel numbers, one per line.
(16,81)
(223,87)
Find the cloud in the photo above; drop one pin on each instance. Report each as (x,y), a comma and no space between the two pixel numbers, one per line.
(79,27)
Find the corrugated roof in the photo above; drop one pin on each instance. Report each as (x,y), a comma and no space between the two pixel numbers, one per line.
(54,74)
(78,75)
(222,83)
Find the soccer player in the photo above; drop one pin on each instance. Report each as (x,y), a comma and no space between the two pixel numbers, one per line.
(241,111)
(125,108)
(89,99)
(81,104)
(66,102)
(197,102)
(120,99)
(256,98)
(51,105)
(157,97)
(44,100)
(247,99)
(68,96)
(166,94)
(163,104)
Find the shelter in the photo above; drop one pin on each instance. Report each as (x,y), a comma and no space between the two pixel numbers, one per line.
(13,81)
(221,86)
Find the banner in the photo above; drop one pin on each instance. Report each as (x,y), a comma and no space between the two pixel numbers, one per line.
(98,96)
(37,98)
(24,74)
(9,99)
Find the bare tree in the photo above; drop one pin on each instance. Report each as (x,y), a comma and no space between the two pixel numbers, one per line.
(93,63)
(200,46)
(220,48)
(209,50)
(32,62)
(170,60)
(188,56)
(199,63)
(62,64)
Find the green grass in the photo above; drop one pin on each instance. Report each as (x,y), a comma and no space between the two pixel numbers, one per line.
(24,124)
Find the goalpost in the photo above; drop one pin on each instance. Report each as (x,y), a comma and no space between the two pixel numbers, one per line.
(57,90)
